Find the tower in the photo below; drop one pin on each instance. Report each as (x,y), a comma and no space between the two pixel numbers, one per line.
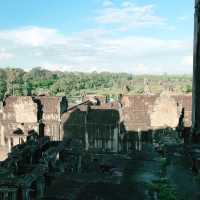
(196,72)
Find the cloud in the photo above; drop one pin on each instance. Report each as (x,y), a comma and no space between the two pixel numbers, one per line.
(183,18)
(32,36)
(93,49)
(107,3)
(128,16)
(187,60)
(4,55)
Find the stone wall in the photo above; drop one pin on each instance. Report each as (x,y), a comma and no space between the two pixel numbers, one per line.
(143,113)
(53,108)
(21,115)
(19,110)
(17,114)
(99,126)
(96,126)
(165,113)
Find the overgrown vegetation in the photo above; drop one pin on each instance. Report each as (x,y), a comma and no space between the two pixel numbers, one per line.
(14,81)
(163,189)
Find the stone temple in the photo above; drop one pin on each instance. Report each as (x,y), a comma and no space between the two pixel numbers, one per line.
(99,150)
(48,145)
(106,126)
(20,116)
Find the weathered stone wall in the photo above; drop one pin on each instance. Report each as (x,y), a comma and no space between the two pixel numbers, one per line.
(17,114)
(20,110)
(53,130)
(27,113)
(96,126)
(73,122)
(53,108)
(103,126)
(99,126)
(143,113)
(165,113)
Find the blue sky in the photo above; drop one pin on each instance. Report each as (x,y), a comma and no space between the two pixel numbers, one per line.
(135,36)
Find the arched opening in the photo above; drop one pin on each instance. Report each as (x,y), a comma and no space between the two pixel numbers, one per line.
(18,131)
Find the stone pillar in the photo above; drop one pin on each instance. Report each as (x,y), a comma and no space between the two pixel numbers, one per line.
(9,145)
(2,136)
(196,72)
(86,134)
(139,140)
(40,187)
(115,140)
(15,141)
(79,163)
(14,195)
(25,193)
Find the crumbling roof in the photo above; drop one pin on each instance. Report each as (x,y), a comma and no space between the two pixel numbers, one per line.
(50,104)
(135,112)
(11,100)
(107,114)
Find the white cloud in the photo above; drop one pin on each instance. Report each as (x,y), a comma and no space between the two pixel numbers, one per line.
(107,3)
(32,36)
(187,60)
(4,55)
(128,16)
(183,18)
(93,49)
(102,49)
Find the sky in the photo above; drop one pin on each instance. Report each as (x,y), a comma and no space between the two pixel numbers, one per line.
(134,36)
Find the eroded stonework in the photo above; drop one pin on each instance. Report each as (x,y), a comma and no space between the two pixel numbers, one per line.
(25,110)
(165,112)
(104,127)
(21,116)
(149,112)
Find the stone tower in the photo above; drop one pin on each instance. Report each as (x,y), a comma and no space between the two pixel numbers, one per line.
(196,72)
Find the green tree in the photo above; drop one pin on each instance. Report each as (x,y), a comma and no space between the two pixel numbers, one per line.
(3,89)
(187,88)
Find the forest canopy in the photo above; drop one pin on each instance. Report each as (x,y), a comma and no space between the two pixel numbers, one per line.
(38,81)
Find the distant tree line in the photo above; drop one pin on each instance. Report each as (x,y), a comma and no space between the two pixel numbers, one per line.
(38,81)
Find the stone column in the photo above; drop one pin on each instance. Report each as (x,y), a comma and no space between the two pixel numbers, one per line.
(139,140)
(2,136)
(79,163)
(15,141)
(25,193)
(86,133)
(115,140)
(14,195)
(40,187)
(9,145)
(196,72)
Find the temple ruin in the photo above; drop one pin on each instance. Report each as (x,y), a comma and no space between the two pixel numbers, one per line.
(90,151)
(103,127)
(20,116)
(78,142)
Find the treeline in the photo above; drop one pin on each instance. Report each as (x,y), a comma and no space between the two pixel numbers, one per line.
(38,81)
